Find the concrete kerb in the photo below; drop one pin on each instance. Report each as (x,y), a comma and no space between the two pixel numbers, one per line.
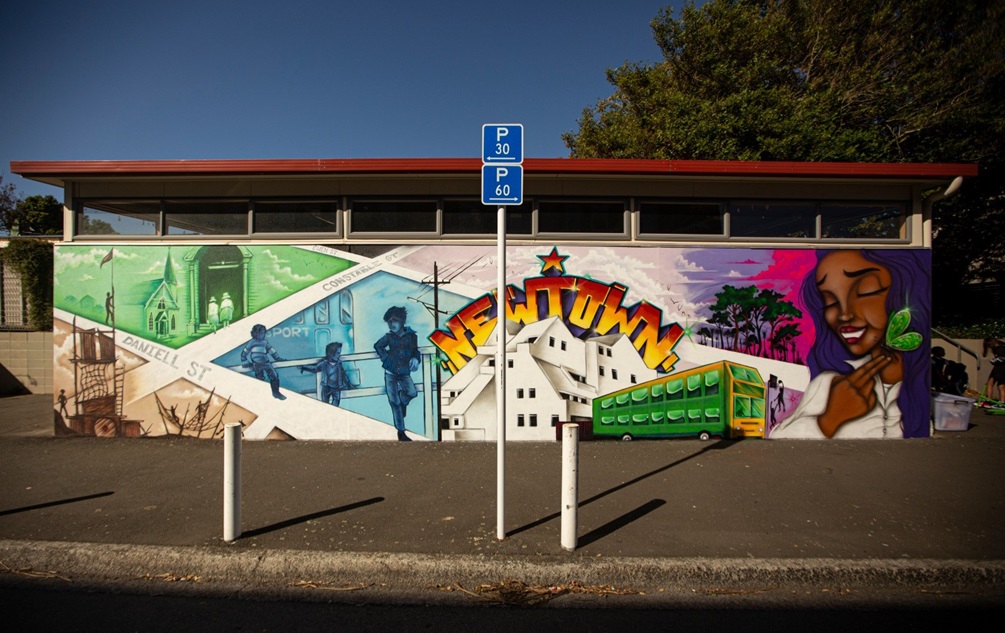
(416,578)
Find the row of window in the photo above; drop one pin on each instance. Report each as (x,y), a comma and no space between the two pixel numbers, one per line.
(610,219)
(532,419)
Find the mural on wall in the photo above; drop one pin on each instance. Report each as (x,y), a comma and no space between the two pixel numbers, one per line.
(312,342)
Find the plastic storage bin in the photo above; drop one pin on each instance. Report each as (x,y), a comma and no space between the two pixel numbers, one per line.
(951,413)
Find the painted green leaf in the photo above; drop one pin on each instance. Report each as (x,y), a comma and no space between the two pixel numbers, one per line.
(906,342)
(897,325)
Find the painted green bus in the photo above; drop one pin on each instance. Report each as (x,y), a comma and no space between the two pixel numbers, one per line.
(725,399)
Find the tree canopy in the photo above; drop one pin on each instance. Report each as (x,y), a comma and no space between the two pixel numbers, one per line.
(817,80)
(34,215)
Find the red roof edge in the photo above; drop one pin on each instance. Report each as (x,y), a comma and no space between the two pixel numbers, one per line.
(244,167)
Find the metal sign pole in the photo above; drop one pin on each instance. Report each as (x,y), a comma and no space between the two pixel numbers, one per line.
(501,376)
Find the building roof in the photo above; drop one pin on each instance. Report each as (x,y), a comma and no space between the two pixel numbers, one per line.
(57,172)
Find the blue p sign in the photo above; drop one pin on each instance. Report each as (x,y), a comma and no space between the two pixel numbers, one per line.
(502,143)
(502,184)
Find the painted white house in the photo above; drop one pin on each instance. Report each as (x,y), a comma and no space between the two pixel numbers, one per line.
(551,376)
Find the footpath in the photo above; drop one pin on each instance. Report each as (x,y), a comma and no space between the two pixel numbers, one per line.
(669,523)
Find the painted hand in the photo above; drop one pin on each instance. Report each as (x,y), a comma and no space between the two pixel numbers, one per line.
(851,396)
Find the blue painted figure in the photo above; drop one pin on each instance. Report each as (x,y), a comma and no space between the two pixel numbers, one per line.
(255,355)
(399,354)
(334,377)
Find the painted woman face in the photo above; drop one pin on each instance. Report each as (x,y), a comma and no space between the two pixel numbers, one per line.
(854,291)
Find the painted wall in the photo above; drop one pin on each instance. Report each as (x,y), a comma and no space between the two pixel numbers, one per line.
(311,342)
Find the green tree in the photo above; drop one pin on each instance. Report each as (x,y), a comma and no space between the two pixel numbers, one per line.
(38,215)
(32,259)
(817,80)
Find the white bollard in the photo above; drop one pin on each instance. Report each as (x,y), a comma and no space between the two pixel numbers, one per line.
(231,481)
(570,485)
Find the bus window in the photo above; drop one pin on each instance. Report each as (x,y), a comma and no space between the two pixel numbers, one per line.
(675,416)
(657,392)
(640,418)
(621,398)
(712,415)
(757,407)
(741,407)
(694,416)
(607,403)
(747,389)
(694,386)
(623,418)
(607,419)
(640,395)
(675,389)
(711,383)
(657,417)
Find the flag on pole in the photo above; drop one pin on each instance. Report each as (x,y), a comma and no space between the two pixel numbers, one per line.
(107,258)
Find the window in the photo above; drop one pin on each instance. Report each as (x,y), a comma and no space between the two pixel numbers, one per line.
(121,217)
(509,363)
(554,421)
(634,379)
(601,370)
(533,419)
(471,217)
(681,218)
(206,217)
(563,346)
(532,392)
(862,222)
(581,217)
(609,352)
(519,394)
(393,216)
(296,217)
(711,383)
(772,220)
(551,339)
(519,420)
(614,374)
(693,385)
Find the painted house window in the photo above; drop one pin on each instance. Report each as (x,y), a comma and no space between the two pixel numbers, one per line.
(509,363)
(601,370)
(614,374)
(563,346)
(533,419)
(520,420)
(554,421)
(551,341)
(519,393)
(532,392)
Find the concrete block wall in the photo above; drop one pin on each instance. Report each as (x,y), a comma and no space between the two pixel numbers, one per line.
(25,362)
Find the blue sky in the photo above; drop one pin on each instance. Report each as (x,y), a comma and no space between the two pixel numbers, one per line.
(136,79)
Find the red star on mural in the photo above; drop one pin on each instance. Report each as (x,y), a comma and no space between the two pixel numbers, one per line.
(553,261)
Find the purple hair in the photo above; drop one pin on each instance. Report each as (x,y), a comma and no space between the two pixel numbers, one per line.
(911,288)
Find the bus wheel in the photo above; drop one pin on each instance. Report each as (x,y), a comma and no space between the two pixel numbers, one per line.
(704,436)
(626,437)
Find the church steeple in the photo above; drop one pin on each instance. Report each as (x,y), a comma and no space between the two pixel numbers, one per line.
(169,277)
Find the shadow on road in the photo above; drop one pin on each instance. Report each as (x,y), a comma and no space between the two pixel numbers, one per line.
(717,446)
(309,517)
(612,526)
(50,504)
